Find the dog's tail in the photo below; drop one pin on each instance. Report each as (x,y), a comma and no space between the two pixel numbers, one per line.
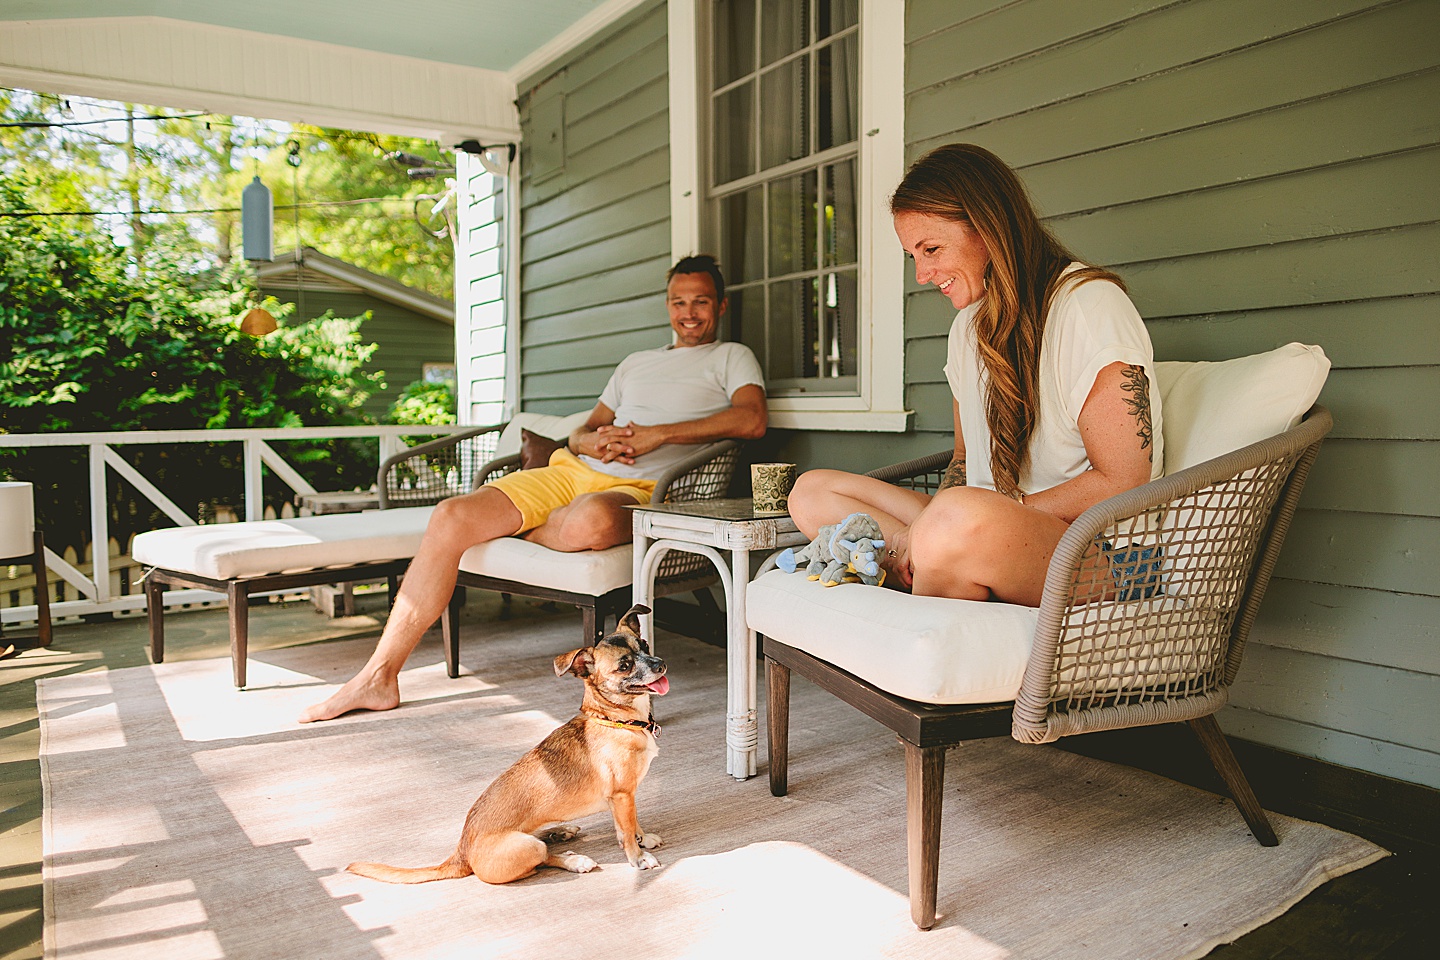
(451,869)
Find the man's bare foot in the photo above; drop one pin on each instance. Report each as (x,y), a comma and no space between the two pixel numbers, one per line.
(363,692)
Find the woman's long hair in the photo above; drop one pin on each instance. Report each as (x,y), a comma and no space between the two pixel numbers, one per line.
(969,184)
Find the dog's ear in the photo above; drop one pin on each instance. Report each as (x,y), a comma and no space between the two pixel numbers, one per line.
(630,622)
(579,662)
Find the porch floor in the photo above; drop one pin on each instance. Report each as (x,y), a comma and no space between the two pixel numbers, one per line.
(1378,913)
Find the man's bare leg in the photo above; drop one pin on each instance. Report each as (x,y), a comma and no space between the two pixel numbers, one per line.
(593,521)
(457,524)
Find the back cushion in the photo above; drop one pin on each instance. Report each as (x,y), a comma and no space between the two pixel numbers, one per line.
(1209,409)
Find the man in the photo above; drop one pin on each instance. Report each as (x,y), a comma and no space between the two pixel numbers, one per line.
(658,407)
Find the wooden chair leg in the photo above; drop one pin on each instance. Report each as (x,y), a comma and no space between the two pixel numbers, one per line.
(777,706)
(392,587)
(589,625)
(42,591)
(924,796)
(238,595)
(1217,748)
(155,613)
(450,632)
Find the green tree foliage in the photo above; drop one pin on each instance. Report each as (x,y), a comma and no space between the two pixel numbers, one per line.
(88,345)
(425,402)
(125,319)
(336,190)
(338,177)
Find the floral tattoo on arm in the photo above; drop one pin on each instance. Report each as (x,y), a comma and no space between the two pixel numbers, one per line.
(954,475)
(1138,387)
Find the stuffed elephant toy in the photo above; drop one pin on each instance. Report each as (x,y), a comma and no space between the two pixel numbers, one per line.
(844,552)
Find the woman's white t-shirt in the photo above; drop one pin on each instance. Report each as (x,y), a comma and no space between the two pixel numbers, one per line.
(1090,326)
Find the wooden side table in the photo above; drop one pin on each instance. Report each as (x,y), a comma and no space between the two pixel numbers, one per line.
(713,529)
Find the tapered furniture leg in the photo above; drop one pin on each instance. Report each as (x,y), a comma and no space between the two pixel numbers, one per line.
(238,596)
(1217,748)
(589,624)
(42,592)
(155,613)
(777,678)
(450,632)
(392,587)
(924,795)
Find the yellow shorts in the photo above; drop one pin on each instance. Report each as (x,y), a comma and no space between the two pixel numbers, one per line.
(537,492)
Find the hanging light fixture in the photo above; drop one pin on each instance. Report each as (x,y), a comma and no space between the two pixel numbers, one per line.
(257,322)
(257,221)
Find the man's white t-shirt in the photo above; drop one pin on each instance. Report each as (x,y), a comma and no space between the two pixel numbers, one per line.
(673,385)
(1089,326)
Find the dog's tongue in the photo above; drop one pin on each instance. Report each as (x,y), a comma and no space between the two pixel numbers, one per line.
(659,687)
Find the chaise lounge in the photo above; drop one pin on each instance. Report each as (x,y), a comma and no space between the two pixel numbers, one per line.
(242,560)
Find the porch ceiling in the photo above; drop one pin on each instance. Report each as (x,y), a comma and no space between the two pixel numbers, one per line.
(490,34)
(447,72)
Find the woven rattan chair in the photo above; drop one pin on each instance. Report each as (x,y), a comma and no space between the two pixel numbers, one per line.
(1163,643)
(596,581)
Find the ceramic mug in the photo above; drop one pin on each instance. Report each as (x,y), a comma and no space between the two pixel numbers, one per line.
(770,485)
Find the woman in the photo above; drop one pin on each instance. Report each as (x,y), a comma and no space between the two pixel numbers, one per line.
(1055,403)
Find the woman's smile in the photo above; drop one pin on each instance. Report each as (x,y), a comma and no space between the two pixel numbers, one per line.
(947,253)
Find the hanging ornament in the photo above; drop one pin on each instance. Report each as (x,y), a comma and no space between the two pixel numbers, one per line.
(257,221)
(258,322)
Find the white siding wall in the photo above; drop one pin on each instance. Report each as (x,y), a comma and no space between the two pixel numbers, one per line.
(480,319)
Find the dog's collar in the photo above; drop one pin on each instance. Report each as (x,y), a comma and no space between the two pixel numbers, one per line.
(649,726)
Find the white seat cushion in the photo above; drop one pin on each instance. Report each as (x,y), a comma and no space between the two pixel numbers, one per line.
(1214,408)
(223,551)
(591,572)
(922,648)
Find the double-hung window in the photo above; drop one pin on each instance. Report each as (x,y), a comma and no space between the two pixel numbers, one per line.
(786,138)
(784,112)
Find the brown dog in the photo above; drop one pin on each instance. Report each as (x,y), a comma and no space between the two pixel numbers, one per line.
(596,760)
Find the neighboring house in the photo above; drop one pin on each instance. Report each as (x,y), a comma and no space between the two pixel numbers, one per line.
(414,331)
(1257,172)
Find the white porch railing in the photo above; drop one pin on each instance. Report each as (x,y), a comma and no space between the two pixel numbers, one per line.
(98,596)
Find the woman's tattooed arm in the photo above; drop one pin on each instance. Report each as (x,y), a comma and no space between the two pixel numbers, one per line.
(1137,385)
(954,474)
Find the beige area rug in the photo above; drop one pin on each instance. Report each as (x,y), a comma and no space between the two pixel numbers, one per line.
(184,819)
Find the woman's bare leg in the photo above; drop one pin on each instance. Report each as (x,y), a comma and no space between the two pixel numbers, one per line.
(829,496)
(457,524)
(976,544)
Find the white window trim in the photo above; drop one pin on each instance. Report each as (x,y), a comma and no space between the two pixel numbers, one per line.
(880,405)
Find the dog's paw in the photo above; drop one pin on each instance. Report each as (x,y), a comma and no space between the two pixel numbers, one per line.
(576,862)
(646,861)
(650,841)
(561,833)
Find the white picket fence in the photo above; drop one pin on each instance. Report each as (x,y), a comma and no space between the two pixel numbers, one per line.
(105,582)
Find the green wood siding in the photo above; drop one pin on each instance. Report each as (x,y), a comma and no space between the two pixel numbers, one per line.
(1258,173)
(405,341)
(595,213)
